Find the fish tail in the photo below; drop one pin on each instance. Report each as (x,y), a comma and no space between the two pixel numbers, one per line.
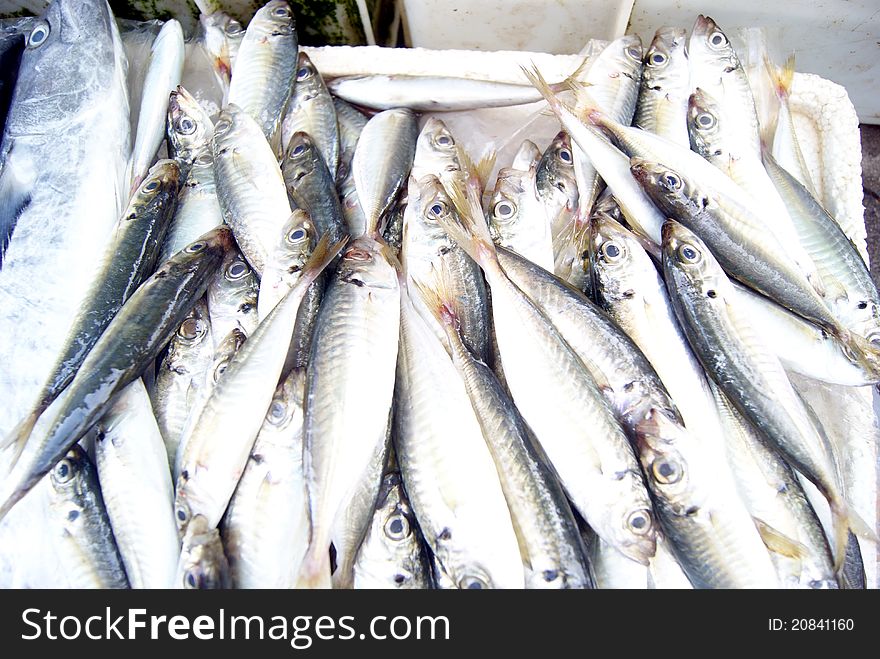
(322,255)
(572,79)
(437,296)
(468,226)
(315,571)
(18,437)
(537,80)
(845,519)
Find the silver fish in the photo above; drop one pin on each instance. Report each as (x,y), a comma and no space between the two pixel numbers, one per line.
(202,564)
(665,87)
(311,110)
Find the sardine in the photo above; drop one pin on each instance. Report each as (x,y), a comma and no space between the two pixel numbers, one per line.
(311,111)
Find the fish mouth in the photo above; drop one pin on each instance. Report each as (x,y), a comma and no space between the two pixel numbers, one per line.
(702,25)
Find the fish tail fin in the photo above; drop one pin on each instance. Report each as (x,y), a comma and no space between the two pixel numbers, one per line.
(15,197)
(467,226)
(315,571)
(438,298)
(18,437)
(781,76)
(321,257)
(845,520)
(572,78)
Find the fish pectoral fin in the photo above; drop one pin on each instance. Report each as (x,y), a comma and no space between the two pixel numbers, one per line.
(778,542)
(15,197)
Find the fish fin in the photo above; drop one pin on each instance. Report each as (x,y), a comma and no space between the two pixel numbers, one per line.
(483,168)
(315,571)
(437,297)
(572,78)
(781,77)
(15,197)
(468,226)
(779,543)
(538,81)
(322,255)
(846,520)
(18,437)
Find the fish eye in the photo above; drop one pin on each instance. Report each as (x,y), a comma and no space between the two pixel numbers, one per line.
(611,250)
(705,120)
(565,155)
(192,579)
(222,126)
(689,253)
(635,53)
(397,527)
(64,471)
(277,413)
(182,513)
(657,59)
(191,328)
(717,39)
(197,247)
(504,210)
(220,370)
(303,73)
(236,270)
(297,235)
(186,126)
(298,149)
(234,28)
(472,582)
(39,35)
(444,140)
(639,521)
(670,181)
(666,471)
(281,12)
(151,185)
(436,210)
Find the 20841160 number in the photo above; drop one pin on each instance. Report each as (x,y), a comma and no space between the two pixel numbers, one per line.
(824,624)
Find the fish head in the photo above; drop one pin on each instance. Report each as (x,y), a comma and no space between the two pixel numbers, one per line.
(70,22)
(668,42)
(308,80)
(366,262)
(189,126)
(68,475)
(635,529)
(221,35)
(300,159)
(704,121)
(436,150)
(508,204)
(657,439)
(203,565)
(709,45)
(194,329)
(688,261)
(158,189)
(555,174)
(630,47)
(613,251)
(433,205)
(274,20)
(674,194)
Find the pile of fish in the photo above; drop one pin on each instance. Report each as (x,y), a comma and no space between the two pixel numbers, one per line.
(256,336)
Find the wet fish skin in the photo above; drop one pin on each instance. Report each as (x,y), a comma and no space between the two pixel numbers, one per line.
(665,86)
(180,374)
(517,218)
(202,564)
(76,508)
(352,363)
(232,298)
(310,186)
(265,549)
(136,486)
(250,187)
(265,66)
(129,344)
(392,554)
(555,182)
(189,129)
(382,162)
(312,111)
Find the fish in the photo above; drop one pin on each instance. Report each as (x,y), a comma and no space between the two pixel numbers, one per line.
(436,151)
(446,466)
(180,374)
(129,344)
(382,162)
(163,76)
(427,249)
(392,555)
(189,129)
(232,421)
(232,298)
(665,87)
(550,545)
(739,362)
(746,252)
(265,66)
(555,393)
(777,503)
(527,156)
(80,526)
(57,213)
(222,36)
(310,186)
(517,217)
(709,529)
(136,486)
(250,187)
(351,367)
(264,548)
(136,239)
(312,111)
(556,184)
(202,564)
